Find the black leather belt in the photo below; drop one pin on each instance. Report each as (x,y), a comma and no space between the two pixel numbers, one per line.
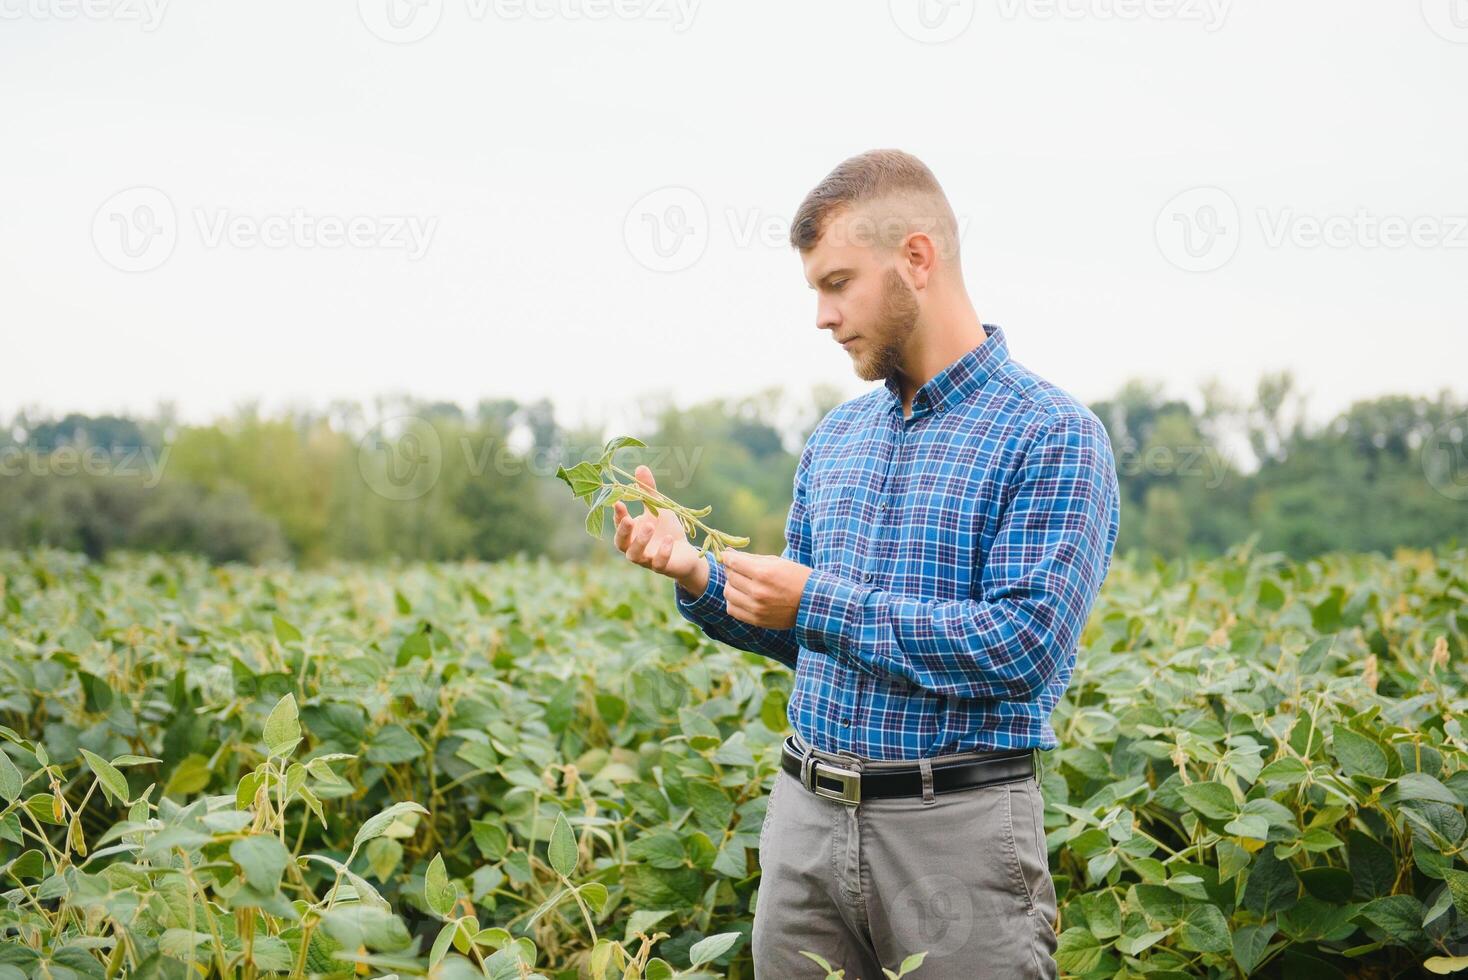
(851,786)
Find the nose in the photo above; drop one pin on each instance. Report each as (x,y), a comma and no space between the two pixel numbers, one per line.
(827,316)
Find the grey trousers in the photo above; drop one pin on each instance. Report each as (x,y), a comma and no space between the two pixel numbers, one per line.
(963,876)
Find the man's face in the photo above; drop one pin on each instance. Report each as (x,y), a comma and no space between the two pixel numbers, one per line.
(862,299)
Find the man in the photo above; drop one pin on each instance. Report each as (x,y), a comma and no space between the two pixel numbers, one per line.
(948,535)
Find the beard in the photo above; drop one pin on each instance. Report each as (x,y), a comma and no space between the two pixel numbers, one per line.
(896,321)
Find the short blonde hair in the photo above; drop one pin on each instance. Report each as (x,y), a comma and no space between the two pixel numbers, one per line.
(903,194)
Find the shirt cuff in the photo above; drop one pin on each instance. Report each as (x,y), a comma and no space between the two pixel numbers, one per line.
(828,611)
(712,599)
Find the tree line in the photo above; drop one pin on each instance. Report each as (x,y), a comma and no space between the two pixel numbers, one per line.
(414,479)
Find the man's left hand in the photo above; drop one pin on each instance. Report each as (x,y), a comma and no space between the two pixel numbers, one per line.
(763,590)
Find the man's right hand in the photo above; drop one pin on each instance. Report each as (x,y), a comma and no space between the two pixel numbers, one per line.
(659,542)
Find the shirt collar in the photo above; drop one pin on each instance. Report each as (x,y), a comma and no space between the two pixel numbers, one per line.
(950,386)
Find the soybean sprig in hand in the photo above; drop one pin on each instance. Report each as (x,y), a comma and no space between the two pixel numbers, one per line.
(658,537)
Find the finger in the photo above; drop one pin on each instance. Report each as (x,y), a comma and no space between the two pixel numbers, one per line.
(739,606)
(640,538)
(662,554)
(645,477)
(624,528)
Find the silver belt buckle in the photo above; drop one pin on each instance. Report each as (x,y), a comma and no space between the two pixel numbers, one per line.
(850,792)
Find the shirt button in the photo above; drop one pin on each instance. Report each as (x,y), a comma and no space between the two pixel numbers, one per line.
(866,576)
(846,721)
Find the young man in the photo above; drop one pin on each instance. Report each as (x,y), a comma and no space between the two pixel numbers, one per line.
(948,535)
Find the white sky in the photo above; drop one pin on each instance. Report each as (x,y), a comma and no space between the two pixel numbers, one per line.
(521,138)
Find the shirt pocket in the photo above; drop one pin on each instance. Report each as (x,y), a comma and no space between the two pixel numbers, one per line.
(832,510)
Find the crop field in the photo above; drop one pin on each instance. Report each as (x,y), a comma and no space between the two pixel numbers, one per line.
(529,769)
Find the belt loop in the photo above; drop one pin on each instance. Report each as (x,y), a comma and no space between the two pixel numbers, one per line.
(1039,767)
(807,758)
(926,765)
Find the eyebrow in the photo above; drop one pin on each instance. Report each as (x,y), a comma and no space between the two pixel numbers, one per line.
(831,274)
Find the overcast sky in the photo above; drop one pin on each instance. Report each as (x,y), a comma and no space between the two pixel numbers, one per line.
(296,202)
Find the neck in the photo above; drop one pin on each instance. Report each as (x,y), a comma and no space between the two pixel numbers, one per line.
(941,337)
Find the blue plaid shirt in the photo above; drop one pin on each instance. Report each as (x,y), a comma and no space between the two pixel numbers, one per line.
(956,555)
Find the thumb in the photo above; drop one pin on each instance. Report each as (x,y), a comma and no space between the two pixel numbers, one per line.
(644,476)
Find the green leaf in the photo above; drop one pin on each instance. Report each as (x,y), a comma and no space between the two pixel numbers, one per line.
(1205,930)
(437,888)
(1421,786)
(1458,886)
(283,727)
(711,948)
(11,781)
(614,444)
(1077,951)
(584,478)
(1326,883)
(1213,800)
(595,894)
(376,826)
(1357,754)
(562,850)
(114,784)
(441,944)
(911,963)
(1287,770)
(190,776)
(393,744)
(1444,965)
(1249,945)
(1399,916)
(370,926)
(285,632)
(262,858)
(491,838)
(415,646)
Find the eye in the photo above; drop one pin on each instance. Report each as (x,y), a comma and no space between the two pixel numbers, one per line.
(837,284)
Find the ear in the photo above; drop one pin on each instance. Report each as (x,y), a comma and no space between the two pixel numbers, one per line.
(920,253)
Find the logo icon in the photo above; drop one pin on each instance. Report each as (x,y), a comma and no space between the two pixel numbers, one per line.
(1447,18)
(935,913)
(400,458)
(135,230)
(400,21)
(1199,230)
(1445,459)
(932,21)
(667,230)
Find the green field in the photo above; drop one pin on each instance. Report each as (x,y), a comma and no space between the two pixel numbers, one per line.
(537,769)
